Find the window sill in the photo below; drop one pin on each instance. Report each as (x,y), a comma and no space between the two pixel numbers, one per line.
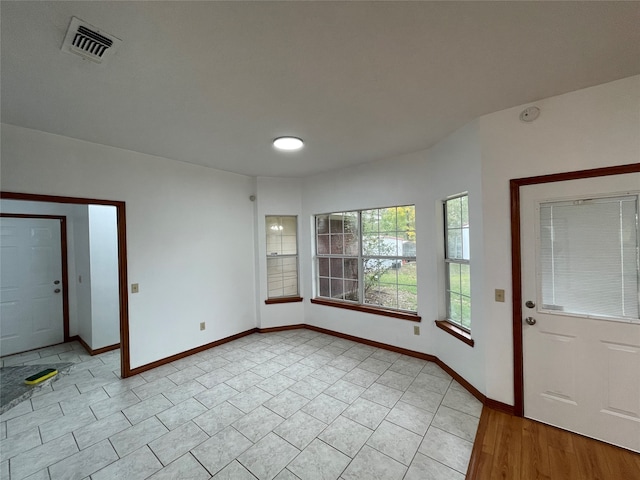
(456,331)
(412,317)
(273,301)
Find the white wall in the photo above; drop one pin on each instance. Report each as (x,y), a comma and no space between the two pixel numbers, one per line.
(276,196)
(82,279)
(454,165)
(76,262)
(189,234)
(105,297)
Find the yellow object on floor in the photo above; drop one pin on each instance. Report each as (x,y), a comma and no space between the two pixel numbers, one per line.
(41,376)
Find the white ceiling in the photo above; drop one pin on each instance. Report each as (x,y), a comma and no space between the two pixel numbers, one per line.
(213,83)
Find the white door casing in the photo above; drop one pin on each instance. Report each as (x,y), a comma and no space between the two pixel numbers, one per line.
(581,372)
(31,302)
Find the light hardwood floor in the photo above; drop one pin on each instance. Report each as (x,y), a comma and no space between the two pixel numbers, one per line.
(515,448)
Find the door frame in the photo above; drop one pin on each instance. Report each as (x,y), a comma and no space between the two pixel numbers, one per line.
(63,259)
(125,368)
(516,259)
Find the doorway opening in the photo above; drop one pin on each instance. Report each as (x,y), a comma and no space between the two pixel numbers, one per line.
(121,292)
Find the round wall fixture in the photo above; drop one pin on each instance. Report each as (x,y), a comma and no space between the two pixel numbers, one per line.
(288,143)
(529,114)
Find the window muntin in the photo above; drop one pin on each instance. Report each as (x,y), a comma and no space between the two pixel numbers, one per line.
(282,256)
(588,257)
(368,257)
(457,258)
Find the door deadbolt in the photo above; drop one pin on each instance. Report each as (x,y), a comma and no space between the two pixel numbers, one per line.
(530,320)
(530,304)
(57,282)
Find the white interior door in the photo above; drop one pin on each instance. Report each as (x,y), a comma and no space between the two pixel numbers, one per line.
(31,284)
(581,332)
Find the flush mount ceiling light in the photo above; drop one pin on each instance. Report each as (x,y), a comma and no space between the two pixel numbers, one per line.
(288,143)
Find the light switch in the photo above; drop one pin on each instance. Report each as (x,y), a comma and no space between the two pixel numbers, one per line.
(499,295)
(135,288)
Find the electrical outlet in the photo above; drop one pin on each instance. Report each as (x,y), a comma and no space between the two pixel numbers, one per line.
(135,288)
(416,330)
(202,326)
(499,295)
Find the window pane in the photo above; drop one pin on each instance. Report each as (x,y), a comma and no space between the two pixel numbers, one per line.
(322,224)
(466,252)
(454,278)
(370,244)
(323,286)
(323,244)
(454,243)
(289,245)
(457,232)
(350,222)
(281,235)
(336,267)
(351,268)
(351,291)
(588,256)
(335,223)
(370,221)
(323,267)
(273,244)
(289,225)
(465,311)
(407,221)
(388,223)
(408,287)
(454,213)
(337,289)
(351,246)
(387,290)
(464,211)
(455,308)
(465,280)
(282,276)
(337,244)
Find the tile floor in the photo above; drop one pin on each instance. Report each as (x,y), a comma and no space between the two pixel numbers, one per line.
(296,404)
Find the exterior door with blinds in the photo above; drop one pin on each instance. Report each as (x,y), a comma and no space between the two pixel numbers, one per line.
(581,332)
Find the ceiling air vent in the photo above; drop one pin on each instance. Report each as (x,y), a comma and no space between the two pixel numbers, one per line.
(89,42)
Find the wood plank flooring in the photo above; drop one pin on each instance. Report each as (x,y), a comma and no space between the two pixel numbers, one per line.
(515,448)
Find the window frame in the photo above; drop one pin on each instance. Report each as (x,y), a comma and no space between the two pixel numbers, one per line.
(360,258)
(268,256)
(460,328)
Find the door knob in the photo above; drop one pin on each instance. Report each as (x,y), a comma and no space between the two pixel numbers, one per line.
(57,290)
(530,320)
